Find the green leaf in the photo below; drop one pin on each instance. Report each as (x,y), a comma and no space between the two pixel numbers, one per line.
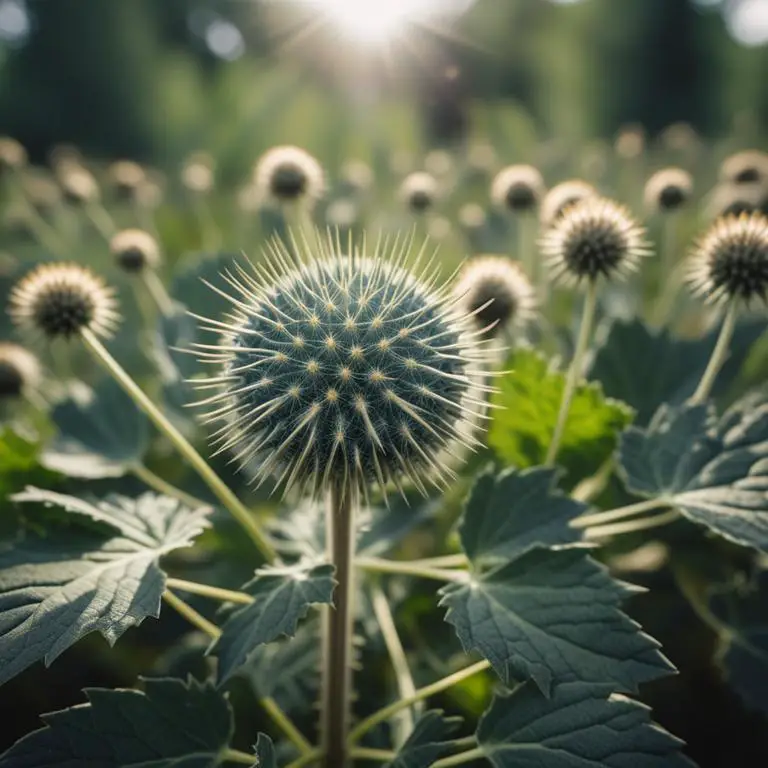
(282,596)
(428,741)
(100,433)
(714,472)
(171,724)
(176,333)
(265,752)
(530,396)
(622,363)
(579,726)
(19,465)
(553,616)
(55,590)
(509,513)
(744,650)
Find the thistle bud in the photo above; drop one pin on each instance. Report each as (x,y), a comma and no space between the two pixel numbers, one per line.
(78,184)
(19,370)
(135,250)
(561,197)
(12,154)
(668,190)
(518,189)
(419,192)
(289,175)
(125,177)
(748,167)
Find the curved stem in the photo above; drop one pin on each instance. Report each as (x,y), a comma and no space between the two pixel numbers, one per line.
(204,590)
(100,219)
(620,513)
(191,615)
(443,561)
(422,693)
(409,569)
(285,724)
(379,755)
(574,372)
(460,759)
(591,487)
(236,756)
(311,757)
(156,290)
(214,482)
(148,477)
(719,356)
(632,526)
(338,627)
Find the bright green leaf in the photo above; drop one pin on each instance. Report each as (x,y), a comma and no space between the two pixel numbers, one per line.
(553,616)
(56,589)
(428,741)
(530,396)
(171,724)
(19,464)
(579,726)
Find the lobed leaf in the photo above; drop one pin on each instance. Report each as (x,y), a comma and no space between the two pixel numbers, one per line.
(428,741)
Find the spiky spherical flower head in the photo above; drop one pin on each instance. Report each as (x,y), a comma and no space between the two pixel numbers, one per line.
(12,153)
(495,292)
(78,184)
(341,370)
(518,188)
(126,177)
(60,300)
(419,191)
(561,197)
(731,261)
(736,199)
(668,190)
(748,167)
(19,370)
(289,175)
(135,250)
(594,238)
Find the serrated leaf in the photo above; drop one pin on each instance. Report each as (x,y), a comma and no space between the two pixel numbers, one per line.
(171,724)
(744,650)
(579,726)
(553,616)
(714,471)
(282,596)
(101,433)
(55,590)
(621,363)
(428,741)
(530,396)
(265,752)
(510,512)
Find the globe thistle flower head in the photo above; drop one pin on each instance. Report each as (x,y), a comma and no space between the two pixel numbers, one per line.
(668,190)
(340,369)
(518,188)
(439,163)
(735,199)
(135,250)
(357,176)
(289,175)
(125,177)
(59,300)
(41,191)
(731,261)
(197,173)
(630,142)
(747,167)
(594,238)
(472,217)
(19,370)
(342,213)
(12,153)
(561,197)
(78,184)
(419,192)
(496,294)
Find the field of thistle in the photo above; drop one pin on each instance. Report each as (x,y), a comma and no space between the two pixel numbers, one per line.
(366,459)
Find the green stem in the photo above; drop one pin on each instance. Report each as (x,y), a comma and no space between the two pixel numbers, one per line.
(164,487)
(460,759)
(286,725)
(632,526)
(574,372)
(591,487)
(379,755)
(443,561)
(42,231)
(156,290)
(100,219)
(719,356)
(422,693)
(620,513)
(204,590)
(311,757)
(409,569)
(236,756)
(214,482)
(191,615)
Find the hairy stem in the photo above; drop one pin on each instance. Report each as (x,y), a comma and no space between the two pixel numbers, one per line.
(574,372)
(191,615)
(460,759)
(338,628)
(620,513)
(719,355)
(204,590)
(199,464)
(409,569)
(632,526)
(422,693)
(148,477)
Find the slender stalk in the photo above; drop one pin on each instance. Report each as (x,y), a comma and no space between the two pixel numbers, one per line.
(632,526)
(620,513)
(338,628)
(591,487)
(719,356)
(204,590)
(689,585)
(210,234)
(157,291)
(307,759)
(100,219)
(574,372)
(669,242)
(409,569)
(286,726)
(443,561)
(214,482)
(405,685)
(148,477)
(379,755)
(465,743)
(668,294)
(191,615)
(460,759)
(236,756)
(422,693)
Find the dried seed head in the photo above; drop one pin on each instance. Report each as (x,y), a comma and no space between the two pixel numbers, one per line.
(197,173)
(596,237)
(135,250)
(735,199)
(668,190)
(561,197)
(748,167)
(472,216)
(78,184)
(289,175)
(340,369)
(518,188)
(12,154)
(731,261)
(125,177)
(419,191)
(19,370)
(680,137)
(149,194)
(62,300)
(495,292)
(630,142)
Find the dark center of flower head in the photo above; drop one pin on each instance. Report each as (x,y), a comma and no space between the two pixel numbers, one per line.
(419,200)
(748,175)
(63,311)
(498,312)
(132,259)
(521,197)
(592,251)
(739,206)
(288,182)
(741,270)
(11,380)
(671,197)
